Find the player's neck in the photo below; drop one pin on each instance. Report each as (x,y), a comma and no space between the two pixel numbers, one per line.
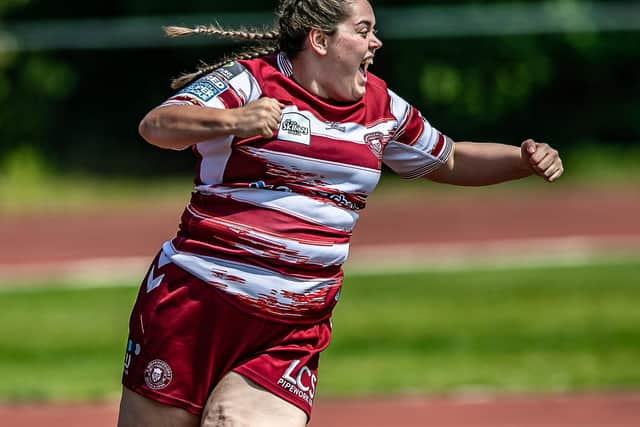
(308,73)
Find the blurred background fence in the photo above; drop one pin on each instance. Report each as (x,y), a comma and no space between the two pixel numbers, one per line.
(75,80)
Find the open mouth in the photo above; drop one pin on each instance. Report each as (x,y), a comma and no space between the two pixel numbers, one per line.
(364,66)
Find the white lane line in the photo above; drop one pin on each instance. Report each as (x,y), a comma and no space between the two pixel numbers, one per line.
(493,254)
(366,259)
(87,273)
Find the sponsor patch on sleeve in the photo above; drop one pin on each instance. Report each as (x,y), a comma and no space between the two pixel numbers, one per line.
(230,70)
(206,88)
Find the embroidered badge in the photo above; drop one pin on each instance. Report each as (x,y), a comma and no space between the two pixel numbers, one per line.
(158,374)
(375,142)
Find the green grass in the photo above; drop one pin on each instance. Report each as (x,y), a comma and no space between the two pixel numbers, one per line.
(546,329)
(62,344)
(538,329)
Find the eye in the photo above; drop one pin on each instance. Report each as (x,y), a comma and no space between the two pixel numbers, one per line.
(364,33)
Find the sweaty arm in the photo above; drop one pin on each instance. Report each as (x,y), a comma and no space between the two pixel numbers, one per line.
(476,164)
(179,126)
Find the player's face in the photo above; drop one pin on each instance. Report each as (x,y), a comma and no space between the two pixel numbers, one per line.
(350,52)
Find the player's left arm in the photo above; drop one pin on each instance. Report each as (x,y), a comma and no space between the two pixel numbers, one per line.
(475,164)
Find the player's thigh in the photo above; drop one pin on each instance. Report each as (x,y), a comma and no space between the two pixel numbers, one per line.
(139,411)
(237,401)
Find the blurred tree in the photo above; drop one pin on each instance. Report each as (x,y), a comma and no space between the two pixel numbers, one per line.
(31,85)
(565,88)
(80,108)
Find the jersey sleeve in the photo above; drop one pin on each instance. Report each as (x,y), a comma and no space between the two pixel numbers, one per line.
(229,86)
(416,148)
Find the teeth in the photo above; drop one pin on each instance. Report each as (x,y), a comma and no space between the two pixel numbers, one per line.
(364,65)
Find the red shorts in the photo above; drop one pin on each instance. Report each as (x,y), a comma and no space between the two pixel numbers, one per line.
(183,338)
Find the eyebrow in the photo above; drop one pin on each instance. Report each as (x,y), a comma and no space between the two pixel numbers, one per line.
(365,22)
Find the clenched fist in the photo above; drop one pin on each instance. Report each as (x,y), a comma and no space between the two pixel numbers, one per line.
(542,159)
(258,118)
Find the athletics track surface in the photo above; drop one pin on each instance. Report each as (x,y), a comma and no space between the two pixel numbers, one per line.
(551,224)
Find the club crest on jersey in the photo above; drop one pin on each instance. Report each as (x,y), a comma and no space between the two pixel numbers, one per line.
(375,142)
(295,127)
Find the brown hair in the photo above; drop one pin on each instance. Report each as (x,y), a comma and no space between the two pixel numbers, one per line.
(295,19)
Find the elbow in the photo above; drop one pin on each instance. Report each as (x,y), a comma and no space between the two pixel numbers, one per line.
(151,130)
(160,129)
(146,129)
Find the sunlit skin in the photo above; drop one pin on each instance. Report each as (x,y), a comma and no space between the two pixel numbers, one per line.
(334,66)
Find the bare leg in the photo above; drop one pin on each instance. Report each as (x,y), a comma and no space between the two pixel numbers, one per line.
(239,402)
(139,411)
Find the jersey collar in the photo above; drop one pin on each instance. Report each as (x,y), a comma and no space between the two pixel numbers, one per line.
(284,64)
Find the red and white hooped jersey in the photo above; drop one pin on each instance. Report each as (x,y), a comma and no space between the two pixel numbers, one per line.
(270,220)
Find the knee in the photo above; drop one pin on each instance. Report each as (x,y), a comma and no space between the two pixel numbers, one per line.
(223,414)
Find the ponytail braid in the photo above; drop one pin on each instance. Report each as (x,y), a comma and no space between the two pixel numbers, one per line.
(268,40)
(217,30)
(204,69)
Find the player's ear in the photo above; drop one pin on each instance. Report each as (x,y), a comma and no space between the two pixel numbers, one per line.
(318,41)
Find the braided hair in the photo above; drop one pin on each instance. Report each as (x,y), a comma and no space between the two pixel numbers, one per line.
(295,19)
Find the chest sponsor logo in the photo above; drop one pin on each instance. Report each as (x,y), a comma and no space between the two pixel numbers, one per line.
(294,127)
(375,142)
(206,88)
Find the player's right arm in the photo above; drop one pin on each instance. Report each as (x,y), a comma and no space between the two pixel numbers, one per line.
(180,126)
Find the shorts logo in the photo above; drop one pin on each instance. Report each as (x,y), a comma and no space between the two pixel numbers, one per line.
(301,382)
(294,127)
(158,374)
(206,88)
(133,349)
(375,142)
